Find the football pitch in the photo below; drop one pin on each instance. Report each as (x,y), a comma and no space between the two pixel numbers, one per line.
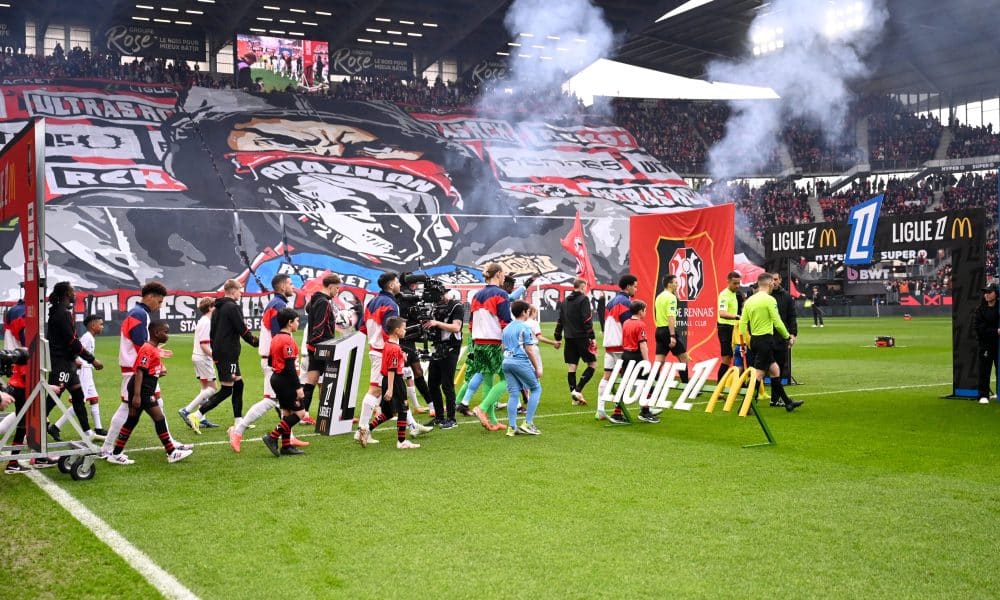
(877,487)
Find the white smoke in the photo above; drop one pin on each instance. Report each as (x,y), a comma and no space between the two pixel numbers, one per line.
(824,49)
(554,41)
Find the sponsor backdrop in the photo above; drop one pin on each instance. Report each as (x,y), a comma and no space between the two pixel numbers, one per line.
(961,232)
(153,41)
(145,183)
(697,247)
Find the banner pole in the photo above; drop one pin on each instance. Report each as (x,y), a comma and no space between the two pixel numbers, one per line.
(763,426)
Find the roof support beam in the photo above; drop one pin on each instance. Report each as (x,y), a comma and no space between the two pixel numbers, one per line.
(470,22)
(236,10)
(357,15)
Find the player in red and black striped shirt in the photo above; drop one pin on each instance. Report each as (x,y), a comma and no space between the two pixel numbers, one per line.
(284,360)
(394,399)
(141,388)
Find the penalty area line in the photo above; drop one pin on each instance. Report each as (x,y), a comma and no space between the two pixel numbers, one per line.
(164,582)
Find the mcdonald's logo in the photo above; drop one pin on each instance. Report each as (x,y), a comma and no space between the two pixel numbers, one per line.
(960,227)
(828,237)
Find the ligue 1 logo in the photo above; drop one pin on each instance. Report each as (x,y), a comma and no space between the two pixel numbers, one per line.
(686,265)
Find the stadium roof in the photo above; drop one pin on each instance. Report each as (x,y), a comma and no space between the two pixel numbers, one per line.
(929,47)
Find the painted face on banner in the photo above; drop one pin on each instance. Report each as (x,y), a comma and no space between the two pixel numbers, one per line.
(374,204)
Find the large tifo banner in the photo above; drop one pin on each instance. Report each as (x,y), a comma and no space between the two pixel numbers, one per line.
(144,183)
(697,247)
(959,235)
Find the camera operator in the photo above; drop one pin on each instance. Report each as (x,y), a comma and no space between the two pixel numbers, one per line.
(64,349)
(15,352)
(410,309)
(446,331)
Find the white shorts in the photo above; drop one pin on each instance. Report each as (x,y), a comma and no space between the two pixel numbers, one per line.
(87,383)
(375,377)
(265,365)
(610,358)
(204,368)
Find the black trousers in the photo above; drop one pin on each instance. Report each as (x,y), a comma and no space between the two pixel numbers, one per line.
(987,364)
(441,378)
(817,315)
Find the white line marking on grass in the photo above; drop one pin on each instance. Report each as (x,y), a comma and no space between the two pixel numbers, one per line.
(163,581)
(589,411)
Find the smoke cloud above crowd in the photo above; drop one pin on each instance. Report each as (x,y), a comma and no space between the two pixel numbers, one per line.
(808,53)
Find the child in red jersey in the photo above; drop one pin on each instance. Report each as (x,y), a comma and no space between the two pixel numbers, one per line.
(635,348)
(284,361)
(147,371)
(394,399)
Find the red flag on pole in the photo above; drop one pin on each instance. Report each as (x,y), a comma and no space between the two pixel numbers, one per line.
(576,244)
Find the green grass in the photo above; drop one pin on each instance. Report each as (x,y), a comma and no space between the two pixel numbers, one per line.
(890,493)
(271,80)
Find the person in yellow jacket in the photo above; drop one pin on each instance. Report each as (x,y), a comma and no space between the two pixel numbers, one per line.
(761,321)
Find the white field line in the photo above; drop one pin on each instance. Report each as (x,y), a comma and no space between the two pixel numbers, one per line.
(163,581)
(576,412)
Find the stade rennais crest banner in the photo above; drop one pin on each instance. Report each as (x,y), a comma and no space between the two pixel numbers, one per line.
(143,182)
(697,247)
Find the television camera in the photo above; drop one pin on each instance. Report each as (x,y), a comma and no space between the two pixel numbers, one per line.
(9,358)
(418,307)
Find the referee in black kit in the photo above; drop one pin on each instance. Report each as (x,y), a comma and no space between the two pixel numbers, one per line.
(786,310)
(767,336)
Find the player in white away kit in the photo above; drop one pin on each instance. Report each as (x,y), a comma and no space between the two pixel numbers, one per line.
(94,325)
(135,333)
(204,368)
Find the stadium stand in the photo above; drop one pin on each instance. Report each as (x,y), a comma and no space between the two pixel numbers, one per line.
(967,142)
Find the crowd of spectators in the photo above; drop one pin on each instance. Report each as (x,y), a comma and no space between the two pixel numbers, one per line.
(900,197)
(813,153)
(81,62)
(973,141)
(772,204)
(896,136)
(975,190)
(665,130)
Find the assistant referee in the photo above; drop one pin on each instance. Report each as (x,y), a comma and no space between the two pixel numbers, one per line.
(767,333)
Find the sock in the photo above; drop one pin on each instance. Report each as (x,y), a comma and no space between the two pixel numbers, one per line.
(411,395)
(307,393)
(618,410)
(470,388)
(381,418)
(410,420)
(256,411)
(368,404)
(571,379)
(723,367)
(533,400)
(117,420)
(217,398)
(238,398)
(603,385)
(284,429)
(778,389)
(401,421)
(125,432)
(489,405)
(95,411)
(7,424)
(200,399)
(164,435)
(63,420)
(588,373)
(515,401)
(683,376)
(80,408)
